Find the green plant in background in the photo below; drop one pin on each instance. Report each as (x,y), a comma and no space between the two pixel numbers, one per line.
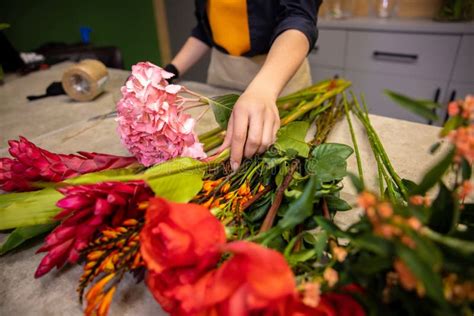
(456,10)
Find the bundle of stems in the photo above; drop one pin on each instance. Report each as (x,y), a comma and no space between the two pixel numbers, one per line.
(320,98)
(389,182)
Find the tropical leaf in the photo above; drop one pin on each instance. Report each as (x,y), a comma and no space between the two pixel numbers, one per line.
(22,234)
(177,180)
(28,209)
(292,138)
(422,108)
(222,107)
(124,174)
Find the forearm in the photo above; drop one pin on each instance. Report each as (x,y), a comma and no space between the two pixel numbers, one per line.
(189,54)
(284,58)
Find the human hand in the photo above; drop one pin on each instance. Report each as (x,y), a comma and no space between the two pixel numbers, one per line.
(252,126)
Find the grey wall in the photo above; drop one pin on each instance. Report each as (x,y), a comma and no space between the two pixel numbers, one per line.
(181,20)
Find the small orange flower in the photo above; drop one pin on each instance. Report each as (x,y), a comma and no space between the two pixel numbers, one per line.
(339,253)
(331,276)
(414,223)
(225,188)
(311,294)
(385,210)
(407,279)
(366,200)
(244,189)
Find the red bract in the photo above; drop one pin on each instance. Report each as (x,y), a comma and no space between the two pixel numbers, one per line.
(31,163)
(254,281)
(87,209)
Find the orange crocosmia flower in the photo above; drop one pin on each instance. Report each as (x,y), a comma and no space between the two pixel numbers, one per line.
(366,200)
(180,235)
(254,280)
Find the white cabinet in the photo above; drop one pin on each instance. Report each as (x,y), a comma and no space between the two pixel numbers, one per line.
(373,86)
(422,59)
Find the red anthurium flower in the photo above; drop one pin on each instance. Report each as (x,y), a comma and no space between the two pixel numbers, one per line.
(31,163)
(254,281)
(87,209)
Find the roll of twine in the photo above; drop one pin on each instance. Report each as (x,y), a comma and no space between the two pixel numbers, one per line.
(86,80)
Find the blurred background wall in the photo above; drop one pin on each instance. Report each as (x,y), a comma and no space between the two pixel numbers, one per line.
(129,25)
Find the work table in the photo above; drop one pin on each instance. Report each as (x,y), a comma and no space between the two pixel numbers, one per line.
(63,126)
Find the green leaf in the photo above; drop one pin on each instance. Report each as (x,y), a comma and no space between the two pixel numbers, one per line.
(337,204)
(125,174)
(467,214)
(466,169)
(22,234)
(28,209)
(423,272)
(374,244)
(328,161)
(421,108)
(444,211)
(435,174)
(300,209)
(177,180)
(4,26)
(330,227)
(291,137)
(451,124)
(222,107)
(356,182)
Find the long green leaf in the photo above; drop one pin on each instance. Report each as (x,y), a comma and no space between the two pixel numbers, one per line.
(33,208)
(125,174)
(435,173)
(300,209)
(179,179)
(22,234)
(422,108)
(222,107)
(423,271)
(444,211)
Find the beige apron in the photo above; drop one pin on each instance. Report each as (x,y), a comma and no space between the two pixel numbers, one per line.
(237,72)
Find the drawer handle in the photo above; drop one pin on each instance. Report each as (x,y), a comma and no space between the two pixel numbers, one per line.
(396,57)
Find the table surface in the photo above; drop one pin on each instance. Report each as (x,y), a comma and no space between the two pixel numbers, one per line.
(61,125)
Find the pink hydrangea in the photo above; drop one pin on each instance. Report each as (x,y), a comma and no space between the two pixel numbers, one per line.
(152,124)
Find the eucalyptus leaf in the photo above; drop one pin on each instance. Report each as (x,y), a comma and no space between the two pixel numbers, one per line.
(28,209)
(422,108)
(434,174)
(22,234)
(292,137)
(222,107)
(177,180)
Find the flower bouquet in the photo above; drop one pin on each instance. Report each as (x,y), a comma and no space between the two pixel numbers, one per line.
(257,241)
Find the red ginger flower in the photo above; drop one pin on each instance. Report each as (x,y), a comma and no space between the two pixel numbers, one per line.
(254,281)
(86,210)
(31,163)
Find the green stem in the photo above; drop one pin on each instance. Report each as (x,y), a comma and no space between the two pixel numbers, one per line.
(210,133)
(463,246)
(354,139)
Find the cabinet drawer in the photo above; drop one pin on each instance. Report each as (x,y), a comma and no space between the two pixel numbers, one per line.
(319,73)
(374,85)
(464,69)
(329,49)
(417,55)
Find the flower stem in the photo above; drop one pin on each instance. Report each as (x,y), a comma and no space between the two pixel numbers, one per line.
(270,218)
(354,139)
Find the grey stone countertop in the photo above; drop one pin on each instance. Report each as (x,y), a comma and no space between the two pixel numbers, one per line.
(403,25)
(60,125)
